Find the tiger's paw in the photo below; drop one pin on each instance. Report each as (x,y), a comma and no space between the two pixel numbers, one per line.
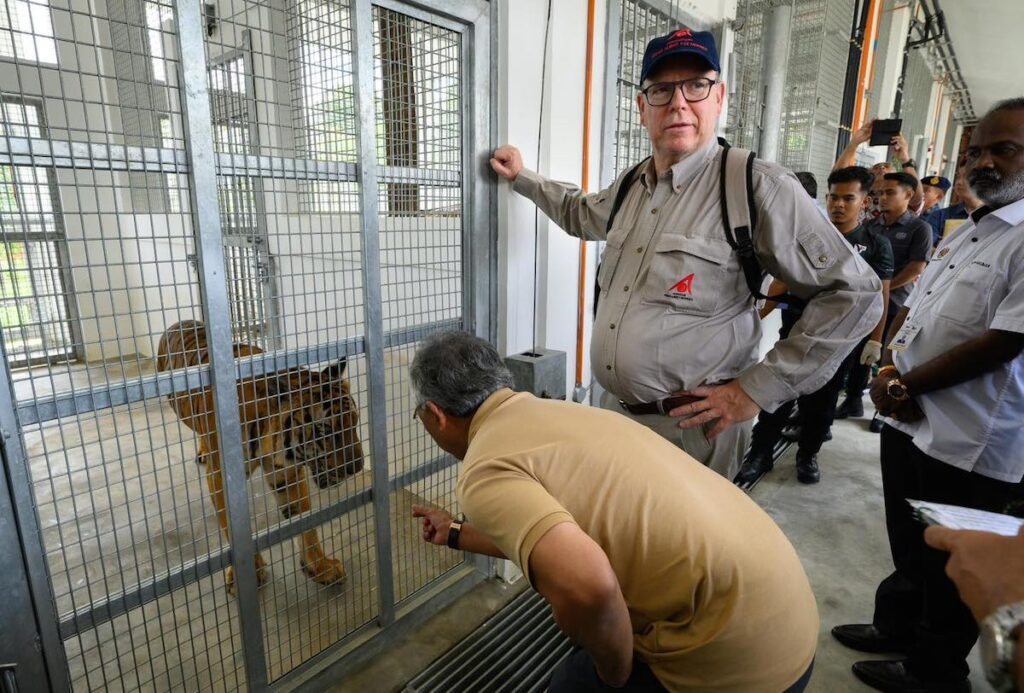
(261,575)
(325,571)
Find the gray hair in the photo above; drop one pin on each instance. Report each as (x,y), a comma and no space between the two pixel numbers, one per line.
(457,371)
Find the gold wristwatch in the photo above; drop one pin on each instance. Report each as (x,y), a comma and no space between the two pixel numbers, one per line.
(897,390)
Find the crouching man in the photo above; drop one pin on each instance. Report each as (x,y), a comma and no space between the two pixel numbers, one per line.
(665,575)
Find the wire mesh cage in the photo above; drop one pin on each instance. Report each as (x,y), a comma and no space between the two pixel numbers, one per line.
(159,356)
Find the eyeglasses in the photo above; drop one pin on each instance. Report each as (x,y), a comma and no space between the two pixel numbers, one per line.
(694,90)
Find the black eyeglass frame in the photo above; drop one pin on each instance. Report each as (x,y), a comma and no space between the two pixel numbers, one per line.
(681,86)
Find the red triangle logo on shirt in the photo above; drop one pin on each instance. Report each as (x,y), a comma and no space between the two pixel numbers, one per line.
(683,287)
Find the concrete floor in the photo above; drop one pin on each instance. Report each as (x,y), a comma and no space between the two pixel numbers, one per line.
(838,528)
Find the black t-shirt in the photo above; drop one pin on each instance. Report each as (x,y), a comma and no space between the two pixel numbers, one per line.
(911,240)
(874,248)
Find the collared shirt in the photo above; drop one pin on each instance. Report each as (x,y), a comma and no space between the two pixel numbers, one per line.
(687,547)
(974,283)
(675,311)
(911,240)
(874,248)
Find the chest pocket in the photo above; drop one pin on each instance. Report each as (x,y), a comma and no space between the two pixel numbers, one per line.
(968,300)
(690,275)
(610,257)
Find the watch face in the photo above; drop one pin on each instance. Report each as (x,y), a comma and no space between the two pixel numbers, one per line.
(897,390)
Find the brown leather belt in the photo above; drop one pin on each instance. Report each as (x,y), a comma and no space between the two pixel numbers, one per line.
(662,406)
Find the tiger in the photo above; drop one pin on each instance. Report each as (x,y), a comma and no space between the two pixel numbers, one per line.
(294,423)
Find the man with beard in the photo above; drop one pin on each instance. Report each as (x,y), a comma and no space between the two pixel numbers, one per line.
(952,389)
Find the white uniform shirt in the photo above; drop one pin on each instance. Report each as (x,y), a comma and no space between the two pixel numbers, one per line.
(973,283)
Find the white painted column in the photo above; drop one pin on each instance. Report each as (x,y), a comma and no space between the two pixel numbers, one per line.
(775,59)
(885,84)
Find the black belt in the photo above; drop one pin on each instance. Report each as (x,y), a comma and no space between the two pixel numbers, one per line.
(662,406)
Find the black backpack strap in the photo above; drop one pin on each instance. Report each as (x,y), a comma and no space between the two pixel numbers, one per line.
(739,218)
(620,194)
(620,197)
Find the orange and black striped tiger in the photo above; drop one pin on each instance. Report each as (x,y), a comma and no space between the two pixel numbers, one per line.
(292,420)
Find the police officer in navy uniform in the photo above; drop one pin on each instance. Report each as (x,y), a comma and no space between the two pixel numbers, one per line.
(935,189)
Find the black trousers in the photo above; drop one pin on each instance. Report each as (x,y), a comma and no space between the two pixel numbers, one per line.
(918,602)
(577,674)
(817,409)
(857,378)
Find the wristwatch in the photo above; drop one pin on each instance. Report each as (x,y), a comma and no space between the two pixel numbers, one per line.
(454,530)
(897,390)
(909,163)
(1000,635)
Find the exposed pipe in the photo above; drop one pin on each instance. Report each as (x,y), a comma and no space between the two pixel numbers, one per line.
(775,57)
(579,392)
(867,68)
(853,59)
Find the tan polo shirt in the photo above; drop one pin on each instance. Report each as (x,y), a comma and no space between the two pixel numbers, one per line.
(718,598)
(675,311)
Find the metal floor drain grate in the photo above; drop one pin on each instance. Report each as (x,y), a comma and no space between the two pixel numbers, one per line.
(516,650)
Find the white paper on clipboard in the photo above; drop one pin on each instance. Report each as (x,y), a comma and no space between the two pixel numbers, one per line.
(957,517)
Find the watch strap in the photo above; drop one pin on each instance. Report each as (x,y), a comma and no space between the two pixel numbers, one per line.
(455,531)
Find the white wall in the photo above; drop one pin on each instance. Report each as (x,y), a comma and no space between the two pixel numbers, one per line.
(521,59)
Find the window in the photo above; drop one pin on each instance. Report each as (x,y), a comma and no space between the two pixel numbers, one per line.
(158,18)
(26,31)
(34,313)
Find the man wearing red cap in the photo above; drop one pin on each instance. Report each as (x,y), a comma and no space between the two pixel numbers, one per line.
(676,335)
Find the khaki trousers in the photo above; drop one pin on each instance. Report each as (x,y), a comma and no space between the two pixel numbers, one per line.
(723,454)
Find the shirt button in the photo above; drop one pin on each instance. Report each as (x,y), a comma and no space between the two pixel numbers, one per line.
(625,288)
(974,240)
(952,266)
(928,293)
(654,211)
(608,367)
(823,258)
(640,249)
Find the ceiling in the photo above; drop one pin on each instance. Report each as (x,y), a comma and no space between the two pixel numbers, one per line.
(986,36)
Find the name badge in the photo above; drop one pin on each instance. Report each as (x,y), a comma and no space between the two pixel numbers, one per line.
(904,337)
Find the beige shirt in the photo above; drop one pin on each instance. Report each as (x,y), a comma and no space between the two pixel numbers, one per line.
(675,311)
(717,596)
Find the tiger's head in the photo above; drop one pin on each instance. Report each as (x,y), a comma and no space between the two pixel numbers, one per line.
(326,432)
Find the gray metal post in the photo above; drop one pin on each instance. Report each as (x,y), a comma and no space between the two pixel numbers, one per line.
(775,60)
(362,40)
(612,38)
(206,216)
(20,518)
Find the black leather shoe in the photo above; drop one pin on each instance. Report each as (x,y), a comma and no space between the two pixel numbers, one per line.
(893,677)
(755,465)
(807,468)
(852,407)
(864,637)
(876,424)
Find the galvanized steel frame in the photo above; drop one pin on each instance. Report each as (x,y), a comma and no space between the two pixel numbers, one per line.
(475,21)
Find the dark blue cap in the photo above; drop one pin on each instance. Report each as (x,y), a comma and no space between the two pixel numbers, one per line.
(939,182)
(680,42)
